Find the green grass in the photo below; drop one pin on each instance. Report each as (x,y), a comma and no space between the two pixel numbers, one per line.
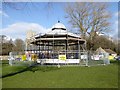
(4,62)
(7,70)
(0,75)
(11,69)
(65,77)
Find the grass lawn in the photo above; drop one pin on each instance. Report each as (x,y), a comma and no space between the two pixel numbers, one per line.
(0,75)
(6,69)
(65,77)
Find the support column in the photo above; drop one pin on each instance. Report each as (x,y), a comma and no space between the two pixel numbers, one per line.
(79,52)
(39,51)
(48,51)
(53,49)
(66,44)
(34,47)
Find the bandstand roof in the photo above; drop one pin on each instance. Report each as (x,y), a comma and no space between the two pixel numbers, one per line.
(59,32)
(59,26)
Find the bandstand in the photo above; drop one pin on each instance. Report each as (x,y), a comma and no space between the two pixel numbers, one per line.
(58,46)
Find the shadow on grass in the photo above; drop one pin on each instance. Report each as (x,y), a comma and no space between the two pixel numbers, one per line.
(115,62)
(14,73)
(32,68)
(43,68)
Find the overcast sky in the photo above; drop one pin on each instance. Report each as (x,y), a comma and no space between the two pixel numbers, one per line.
(18,18)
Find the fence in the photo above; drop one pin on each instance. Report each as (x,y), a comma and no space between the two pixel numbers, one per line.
(5,57)
(68,57)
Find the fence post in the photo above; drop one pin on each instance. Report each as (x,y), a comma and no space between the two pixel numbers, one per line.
(86,58)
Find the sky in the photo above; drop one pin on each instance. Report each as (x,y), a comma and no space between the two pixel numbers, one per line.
(19,17)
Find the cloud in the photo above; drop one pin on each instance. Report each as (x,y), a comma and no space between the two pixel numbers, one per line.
(117,13)
(19,30)
(3,14)
(115,25)
(114,33)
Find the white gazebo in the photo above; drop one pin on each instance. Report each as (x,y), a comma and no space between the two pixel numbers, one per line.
(58,46)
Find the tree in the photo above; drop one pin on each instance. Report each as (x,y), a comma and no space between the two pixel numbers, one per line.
(6,45)
(2,38)
(18,45)
(89,18)
(118,46)
(10,46)
(102,41)
(6,48)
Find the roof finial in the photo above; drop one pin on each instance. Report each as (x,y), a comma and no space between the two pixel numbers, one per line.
(58,21)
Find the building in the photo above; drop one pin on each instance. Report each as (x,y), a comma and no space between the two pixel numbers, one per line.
(58,46)
(29,34)
(100,51)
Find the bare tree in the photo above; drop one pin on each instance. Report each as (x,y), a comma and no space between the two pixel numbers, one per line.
(19,45)
(88,17)
(2,38)
(6,45)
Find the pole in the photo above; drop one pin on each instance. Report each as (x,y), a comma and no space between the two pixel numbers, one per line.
(53,48)
(79,52)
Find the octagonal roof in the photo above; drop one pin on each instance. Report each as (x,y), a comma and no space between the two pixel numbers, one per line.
(58,29)
(58,26)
